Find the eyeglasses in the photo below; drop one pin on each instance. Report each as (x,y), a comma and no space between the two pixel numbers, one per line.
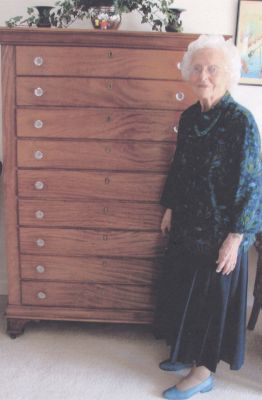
(211,70)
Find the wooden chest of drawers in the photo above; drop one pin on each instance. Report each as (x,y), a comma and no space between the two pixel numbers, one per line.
(90,123)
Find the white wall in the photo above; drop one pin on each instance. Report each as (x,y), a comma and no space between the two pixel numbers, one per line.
(201,16)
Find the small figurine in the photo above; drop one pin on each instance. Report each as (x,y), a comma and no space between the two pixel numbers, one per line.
(103,24)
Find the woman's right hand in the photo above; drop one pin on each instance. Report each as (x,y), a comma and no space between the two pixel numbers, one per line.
(166,221)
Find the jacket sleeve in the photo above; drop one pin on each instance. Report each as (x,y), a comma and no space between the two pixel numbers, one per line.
(168,193)
(167,198)
(247,204)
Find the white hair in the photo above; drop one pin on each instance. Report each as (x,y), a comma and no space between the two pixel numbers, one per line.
(232,57)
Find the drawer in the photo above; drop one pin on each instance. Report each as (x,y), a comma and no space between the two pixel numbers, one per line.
(83,242)
(91,214)
(99,92)
(83,185)
(92,61)
(103,155)
(93,296)
(90,269)
(98,123)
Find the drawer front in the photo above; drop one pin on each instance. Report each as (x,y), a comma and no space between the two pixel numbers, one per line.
(122,93)
(126,63)
(84,185)
(73,242)
(98,214)
(98,123)
(125,156)
(90,269)
(93,296)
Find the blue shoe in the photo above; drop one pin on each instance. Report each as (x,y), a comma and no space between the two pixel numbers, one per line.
(167,365)
(173,393)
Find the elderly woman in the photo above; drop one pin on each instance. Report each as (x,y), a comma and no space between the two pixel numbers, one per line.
(212,199)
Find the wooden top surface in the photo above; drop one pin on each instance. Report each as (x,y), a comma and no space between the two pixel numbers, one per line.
(92,37)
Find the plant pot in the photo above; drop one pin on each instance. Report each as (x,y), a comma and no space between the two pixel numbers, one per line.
(174,24)
(87,4)
(105,17)
(44,16)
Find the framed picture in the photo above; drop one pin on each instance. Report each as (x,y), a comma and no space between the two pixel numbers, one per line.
(249,40)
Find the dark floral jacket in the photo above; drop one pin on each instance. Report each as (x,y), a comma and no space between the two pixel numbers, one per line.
(214,185)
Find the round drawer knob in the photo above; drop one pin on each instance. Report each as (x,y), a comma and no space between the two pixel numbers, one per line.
(108,149)
(39,214)
(41,295)
(175,129)
(40,242)
(110,85)
(40,269)
(105,237)
(38,124)
(178,66)
(180,96)
(106,210)
(38,92)
(38,155)
(107,180)
(38,61)
(39,185)
(110,54)
(109,118)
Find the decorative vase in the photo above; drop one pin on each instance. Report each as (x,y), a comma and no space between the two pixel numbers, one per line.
(44,16)
(105,17)
(174,24)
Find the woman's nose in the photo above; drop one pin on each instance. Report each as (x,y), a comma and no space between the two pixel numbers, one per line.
(204,74)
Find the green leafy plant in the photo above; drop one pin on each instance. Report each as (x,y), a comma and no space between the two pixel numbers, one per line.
(31,20)
(66,12)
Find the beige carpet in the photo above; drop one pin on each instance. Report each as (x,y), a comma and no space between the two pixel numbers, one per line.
(78,361)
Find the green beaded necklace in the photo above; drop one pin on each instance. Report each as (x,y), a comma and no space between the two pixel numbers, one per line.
(204,132)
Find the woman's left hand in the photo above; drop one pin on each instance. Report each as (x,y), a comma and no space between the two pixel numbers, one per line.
(228,252)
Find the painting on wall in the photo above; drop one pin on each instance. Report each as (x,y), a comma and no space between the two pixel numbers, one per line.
(249,40)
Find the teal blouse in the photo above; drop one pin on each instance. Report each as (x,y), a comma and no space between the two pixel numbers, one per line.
(214,185)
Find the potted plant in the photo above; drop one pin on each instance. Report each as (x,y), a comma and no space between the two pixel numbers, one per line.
(65,12)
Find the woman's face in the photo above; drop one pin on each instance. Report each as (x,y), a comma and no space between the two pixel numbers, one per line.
(208,75)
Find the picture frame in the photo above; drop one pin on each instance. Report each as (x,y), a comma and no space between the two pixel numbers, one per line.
(248,40)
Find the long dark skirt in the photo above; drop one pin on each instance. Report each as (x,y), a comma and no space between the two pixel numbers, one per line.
(201,313)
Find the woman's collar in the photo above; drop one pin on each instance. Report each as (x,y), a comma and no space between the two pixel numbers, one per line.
(221,104)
